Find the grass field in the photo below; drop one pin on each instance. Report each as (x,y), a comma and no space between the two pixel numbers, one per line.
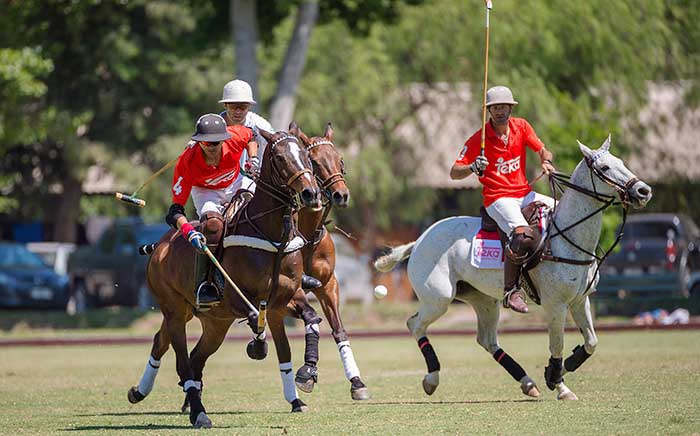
(638,383)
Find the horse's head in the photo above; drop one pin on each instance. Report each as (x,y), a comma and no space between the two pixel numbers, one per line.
(612,176)
(328,164)
(286,166)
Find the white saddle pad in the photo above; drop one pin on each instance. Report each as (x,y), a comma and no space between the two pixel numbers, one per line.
(486,251)
(261,244)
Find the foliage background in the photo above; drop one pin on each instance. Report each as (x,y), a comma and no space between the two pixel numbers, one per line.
(121,83)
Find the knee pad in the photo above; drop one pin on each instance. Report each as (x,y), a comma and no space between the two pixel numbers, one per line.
(212,226)
(522,243)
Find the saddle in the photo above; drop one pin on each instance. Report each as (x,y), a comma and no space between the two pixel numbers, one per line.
(535,214)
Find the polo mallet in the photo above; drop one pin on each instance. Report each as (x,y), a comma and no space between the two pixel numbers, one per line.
(233,285)
(486,78)
(131,199)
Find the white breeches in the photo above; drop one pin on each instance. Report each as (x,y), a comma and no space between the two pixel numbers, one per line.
(212,200)
(506,211)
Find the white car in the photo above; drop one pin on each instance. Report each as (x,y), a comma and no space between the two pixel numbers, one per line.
(54,254)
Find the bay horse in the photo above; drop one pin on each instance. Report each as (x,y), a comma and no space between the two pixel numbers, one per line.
(285,184)
(319,252)
(440,271)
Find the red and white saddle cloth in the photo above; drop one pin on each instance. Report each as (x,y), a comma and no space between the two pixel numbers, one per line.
(487,252)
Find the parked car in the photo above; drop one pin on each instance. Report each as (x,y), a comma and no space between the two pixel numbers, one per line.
(27,282)
(54,254)
(659,257)
(112,272)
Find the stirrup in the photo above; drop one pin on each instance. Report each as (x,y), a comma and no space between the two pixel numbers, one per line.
(203,299)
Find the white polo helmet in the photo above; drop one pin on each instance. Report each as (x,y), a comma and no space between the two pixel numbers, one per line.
(499,95)
(237,91)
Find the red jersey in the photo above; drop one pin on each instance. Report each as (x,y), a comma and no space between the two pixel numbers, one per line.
(192,170)
(505,174)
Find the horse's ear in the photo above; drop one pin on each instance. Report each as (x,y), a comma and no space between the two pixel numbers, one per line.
(265,134)
(585,150)
(606,144)
(304,139)
(293,128)
(328,134)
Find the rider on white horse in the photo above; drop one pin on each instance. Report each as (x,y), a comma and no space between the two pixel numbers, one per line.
(501,170)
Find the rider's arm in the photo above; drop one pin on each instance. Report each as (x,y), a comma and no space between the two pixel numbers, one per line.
(252,148)
(459,171)
(546,157)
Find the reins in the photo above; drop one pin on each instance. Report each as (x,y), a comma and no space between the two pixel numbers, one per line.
(558,181)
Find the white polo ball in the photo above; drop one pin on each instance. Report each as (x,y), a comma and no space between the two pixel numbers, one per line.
(380,291)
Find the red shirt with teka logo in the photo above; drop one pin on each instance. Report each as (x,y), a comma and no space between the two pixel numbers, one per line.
(192,170)
(505,174)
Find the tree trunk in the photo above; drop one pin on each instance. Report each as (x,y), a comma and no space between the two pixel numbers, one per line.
(282,107)
(67,211)
(244,25)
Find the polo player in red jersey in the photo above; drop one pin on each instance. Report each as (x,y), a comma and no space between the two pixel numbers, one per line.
(501,171)
(209,169)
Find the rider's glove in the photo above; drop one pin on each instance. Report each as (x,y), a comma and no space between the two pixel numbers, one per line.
(195,238)
(479,165)
(252,167)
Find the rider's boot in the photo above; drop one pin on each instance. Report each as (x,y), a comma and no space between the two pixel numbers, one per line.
(308,282)
(521,243)
(206,293)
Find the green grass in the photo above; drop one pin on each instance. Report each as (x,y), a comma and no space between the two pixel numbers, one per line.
(638,383)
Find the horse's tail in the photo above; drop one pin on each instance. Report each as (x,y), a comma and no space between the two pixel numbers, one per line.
(389,261)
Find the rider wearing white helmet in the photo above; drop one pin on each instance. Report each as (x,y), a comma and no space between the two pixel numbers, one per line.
(237,98)
(505,187)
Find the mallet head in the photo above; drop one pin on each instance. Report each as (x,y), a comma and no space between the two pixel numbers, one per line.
(130,199)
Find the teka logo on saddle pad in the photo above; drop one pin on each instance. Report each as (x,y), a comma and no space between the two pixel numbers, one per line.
(487,251)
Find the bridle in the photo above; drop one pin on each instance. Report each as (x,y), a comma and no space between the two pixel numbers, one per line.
(325,185)
(557,182)
(284,194)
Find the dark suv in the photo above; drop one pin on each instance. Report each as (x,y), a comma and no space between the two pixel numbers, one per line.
(659,256)
(112,272)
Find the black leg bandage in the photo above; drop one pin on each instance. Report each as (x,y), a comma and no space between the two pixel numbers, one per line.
(514,369)
(311,350)
(578,356)
(552,373)
(429,354)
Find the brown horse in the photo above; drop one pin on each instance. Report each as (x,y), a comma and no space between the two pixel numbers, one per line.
(319,253)
(285,185)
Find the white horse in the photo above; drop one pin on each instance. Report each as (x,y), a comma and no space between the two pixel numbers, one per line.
(440,271)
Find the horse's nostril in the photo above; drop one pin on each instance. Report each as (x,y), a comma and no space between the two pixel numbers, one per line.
(337,197)
(644,191)
(307,195)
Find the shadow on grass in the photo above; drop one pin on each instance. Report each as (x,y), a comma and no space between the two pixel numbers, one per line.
(112,317)
(154,413)
(385,403)
(134,427)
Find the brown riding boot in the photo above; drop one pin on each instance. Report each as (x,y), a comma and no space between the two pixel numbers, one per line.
(515,253)
(206,294)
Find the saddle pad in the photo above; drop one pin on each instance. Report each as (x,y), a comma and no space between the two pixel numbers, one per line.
(487,252)
(261,244)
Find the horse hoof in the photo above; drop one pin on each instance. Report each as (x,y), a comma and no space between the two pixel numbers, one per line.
(431,382)
(306,378)
(134,395)
(529,388)
(567,396)
(360,394)
(299,406)
(202,421)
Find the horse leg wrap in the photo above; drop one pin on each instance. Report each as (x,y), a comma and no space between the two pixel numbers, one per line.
(578,356)
(552,373)
(429,354)
(514,369)
(348,359)
(311,351)
(194,397)
(288,387)
(149,376)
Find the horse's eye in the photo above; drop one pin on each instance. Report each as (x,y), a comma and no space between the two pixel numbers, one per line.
(604,168)
(342,166)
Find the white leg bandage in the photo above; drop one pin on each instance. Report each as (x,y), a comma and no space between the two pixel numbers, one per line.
(192,384)
(290,389)
(312,328)
(149,376)
(351,369)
